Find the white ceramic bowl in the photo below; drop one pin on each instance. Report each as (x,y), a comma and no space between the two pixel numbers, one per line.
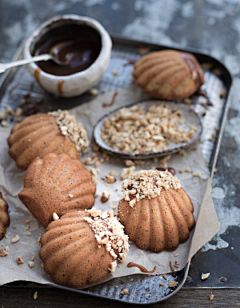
(74,84)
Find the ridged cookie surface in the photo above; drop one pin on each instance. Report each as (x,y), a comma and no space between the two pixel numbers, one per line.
(168,74)
(160,223)
(4,216)
(40,134)
(76,253)
(56,183)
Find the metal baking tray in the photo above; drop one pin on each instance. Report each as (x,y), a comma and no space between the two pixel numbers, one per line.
(18,84)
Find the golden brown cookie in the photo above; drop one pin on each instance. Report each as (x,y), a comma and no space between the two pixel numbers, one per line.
(56,183)
(155,211)
(39,134)
(83,247)
(4,217)
(168,74)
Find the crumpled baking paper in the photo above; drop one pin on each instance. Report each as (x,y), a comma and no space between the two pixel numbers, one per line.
(11,183)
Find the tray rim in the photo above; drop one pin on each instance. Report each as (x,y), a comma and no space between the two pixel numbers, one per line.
(117,39)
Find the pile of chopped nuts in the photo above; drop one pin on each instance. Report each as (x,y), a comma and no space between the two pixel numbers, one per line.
(109,232)
(147,184)
(132,130)
(69,127)
(10,115)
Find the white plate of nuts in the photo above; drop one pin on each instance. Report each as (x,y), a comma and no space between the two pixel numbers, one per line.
(148,129)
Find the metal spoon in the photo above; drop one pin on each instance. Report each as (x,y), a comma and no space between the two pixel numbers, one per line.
(45,57)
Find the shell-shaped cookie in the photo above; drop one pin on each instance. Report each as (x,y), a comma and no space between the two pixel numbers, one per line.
(39,134)
(161,223)
(56,183)
(72,255)
(4,216)
(168,74)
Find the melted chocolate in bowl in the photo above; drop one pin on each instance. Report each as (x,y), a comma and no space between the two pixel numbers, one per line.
(83,45)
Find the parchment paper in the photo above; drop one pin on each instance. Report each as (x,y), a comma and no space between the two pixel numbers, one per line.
(11,183)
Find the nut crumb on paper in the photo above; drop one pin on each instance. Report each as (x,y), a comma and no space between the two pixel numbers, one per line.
(15,239)
(126,172)
(31,264)
(20,260)
(182,153)
(129,163)
(3,253)
(197,174)
(7,235)
(110,179)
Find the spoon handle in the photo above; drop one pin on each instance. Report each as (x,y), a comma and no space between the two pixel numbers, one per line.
(5,66)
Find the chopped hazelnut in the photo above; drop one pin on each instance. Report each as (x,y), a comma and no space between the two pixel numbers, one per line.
(223,93)
(182,152)
(188,101)
(173,284)
(126,172)
(115,72)
(217,72)
(205,276)
(55,216)
(197,174)
(31,264)
(3,253)
(15,239)
(207,66)
(110,179)
(4,123)
(129,163)
(94,91)
(20,260)
(143,50)
(124,291)
(35,295)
